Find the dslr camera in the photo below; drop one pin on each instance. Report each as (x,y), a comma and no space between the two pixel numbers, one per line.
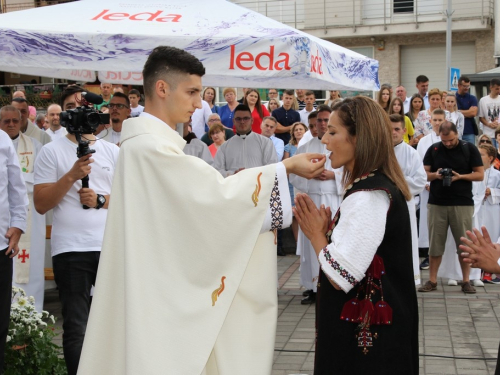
(447,174)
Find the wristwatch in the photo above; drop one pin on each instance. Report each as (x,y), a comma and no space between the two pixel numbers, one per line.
(101,201)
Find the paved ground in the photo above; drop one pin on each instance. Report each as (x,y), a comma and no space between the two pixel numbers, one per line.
(454,324)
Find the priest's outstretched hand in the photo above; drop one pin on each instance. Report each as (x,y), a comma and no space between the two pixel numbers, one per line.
(305,165)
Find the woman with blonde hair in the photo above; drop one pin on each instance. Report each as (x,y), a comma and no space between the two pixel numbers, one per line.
(259,111)
(450,105)
(226,112)
(210,97)
(422,123)
(272,105)
(334,95)
(367,304)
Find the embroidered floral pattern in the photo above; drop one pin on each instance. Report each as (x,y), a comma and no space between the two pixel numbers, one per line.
(337,267)
(276,207)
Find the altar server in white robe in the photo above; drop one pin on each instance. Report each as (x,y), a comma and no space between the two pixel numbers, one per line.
(246,149)
(27,127)
(29,263)
(325,189)
(170,297)
(437,118)
(194,146)
(413,169)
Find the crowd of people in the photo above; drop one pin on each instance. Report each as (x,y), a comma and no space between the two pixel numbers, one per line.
(452,185)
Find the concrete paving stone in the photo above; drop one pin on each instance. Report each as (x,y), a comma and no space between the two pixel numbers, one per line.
(291,368)
(430,341)
(298,358)
(440,369)
(437,350)
(470,351)
(472,372)
(466,364)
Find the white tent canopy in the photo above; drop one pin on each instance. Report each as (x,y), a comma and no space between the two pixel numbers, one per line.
(238,47)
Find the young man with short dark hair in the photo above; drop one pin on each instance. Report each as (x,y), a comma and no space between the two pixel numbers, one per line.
(160,244)
(489,110)
(136,109)
(467,105)
(285,116)
(422,86)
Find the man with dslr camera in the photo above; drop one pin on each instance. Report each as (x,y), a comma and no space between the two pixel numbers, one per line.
(77,233)
(451,166)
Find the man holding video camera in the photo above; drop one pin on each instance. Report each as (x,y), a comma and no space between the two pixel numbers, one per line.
(451,166)
(77,233)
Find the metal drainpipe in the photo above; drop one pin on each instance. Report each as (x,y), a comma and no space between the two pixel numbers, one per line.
(496,18)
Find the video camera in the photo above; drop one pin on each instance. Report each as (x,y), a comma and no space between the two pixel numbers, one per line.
(84,120)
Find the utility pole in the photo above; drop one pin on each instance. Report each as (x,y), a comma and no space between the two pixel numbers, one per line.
(448,13)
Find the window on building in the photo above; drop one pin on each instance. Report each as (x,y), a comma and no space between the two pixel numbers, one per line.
(403,6)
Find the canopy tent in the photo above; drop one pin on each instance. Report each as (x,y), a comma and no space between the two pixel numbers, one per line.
(238,47)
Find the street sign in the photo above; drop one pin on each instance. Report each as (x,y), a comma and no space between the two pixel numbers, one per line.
(454,76)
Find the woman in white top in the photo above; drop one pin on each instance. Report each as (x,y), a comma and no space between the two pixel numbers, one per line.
(423,121)
(455,116)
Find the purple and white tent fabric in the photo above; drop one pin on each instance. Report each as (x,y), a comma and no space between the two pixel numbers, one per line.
(238,47)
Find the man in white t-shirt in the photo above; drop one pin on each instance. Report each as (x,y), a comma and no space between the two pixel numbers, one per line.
(199,119)
(136,109)
(304,113)
(489,110)
(55,129)
(77,233)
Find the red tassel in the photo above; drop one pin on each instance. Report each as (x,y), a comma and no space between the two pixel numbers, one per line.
(350,311)
(365,310)
(382,313)
(377,268)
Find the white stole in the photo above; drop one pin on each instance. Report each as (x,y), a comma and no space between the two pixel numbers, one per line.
(26,155)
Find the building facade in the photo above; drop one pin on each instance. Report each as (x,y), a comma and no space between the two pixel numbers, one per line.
(407,37)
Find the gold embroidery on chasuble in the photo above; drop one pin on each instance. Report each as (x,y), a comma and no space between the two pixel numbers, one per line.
(255,195)
(217,292)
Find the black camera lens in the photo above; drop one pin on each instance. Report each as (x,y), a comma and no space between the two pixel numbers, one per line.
(93,119)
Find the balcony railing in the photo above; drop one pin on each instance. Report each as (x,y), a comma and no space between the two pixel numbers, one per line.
(313,14)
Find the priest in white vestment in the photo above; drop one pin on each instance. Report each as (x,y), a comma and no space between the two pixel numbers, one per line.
(55,130)
(27,127)
(246,149)
(324,190)
(28,265)
(413,169)
(170,297)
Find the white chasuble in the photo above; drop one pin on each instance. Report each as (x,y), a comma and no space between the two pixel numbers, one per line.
(175,293)
(321,192)
(28,265)
(413,169)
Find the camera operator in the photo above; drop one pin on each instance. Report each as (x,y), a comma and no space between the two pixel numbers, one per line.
(451,166)
(77,233)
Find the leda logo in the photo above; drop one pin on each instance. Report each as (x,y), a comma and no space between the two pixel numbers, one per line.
(316,63)
(158,16)
(262,61)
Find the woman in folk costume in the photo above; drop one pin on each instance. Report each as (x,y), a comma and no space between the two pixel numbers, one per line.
(366,314)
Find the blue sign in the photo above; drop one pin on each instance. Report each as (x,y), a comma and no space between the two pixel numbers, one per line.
(454,76)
